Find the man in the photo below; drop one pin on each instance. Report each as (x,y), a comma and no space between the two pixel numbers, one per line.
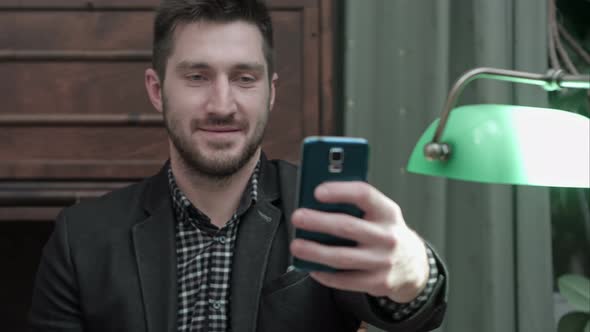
(205,245)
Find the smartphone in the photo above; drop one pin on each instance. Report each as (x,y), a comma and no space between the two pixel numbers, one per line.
(324,159)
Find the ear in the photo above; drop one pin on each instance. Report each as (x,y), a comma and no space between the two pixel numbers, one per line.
(153,86)
(273,83)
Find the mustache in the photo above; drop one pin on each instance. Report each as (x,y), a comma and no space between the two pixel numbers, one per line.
(216,120)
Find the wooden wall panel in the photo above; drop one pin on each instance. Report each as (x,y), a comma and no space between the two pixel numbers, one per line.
(74,88)
(74,30)
(130,4)
(58,87)
(95,152)
(78,4)
(84,143)
(42,201)
(287,121)
(75,120)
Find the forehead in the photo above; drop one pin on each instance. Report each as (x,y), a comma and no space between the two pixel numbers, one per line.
(221,43)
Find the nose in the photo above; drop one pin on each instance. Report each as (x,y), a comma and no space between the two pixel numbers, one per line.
(221,97)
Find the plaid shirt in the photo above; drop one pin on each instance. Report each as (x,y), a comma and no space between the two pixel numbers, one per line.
(204,255)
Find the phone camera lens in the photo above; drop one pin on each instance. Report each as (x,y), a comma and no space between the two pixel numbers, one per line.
(336,155)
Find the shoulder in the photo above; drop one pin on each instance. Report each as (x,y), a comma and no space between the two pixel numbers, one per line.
(114,201)
(118,209)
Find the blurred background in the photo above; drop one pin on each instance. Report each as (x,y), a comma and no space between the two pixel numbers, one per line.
(75,122)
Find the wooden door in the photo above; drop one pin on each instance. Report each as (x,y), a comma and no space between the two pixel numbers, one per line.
(75,121)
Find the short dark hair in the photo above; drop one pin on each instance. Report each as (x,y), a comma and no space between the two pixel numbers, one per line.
(170,13)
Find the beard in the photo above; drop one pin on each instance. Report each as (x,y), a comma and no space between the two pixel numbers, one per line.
(220,164)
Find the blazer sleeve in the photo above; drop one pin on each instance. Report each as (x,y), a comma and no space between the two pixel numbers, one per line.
(429,317)
(55,303)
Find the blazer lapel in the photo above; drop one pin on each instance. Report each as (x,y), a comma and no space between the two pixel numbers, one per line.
(256,232)
(154,244)
(255,235)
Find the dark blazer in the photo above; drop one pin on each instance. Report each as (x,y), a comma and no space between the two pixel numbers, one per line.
(110,265)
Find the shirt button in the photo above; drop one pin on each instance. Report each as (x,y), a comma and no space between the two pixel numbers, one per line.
(215,304)
(221,239)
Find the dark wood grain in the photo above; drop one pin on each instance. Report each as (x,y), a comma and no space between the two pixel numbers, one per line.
(327,41)
(24,214)
(83,94)
(74,87)
(43,169)
(17,196)
(75,120)
(126,4)
(74,56)
(78,4)
(62,30)
(81,120)
(95,143)
(311,74)
(95,98)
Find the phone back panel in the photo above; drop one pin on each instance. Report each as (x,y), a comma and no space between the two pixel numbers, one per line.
(318,166)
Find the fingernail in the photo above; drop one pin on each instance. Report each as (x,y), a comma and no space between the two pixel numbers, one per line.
(297,216)
(321,191)
(295,245)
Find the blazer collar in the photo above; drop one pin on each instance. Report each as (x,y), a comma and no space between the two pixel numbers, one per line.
(157,192)
(155,249)
(155,253)
(269,184)
(257,230)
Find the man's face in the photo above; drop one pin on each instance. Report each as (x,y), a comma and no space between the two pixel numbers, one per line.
(216,96)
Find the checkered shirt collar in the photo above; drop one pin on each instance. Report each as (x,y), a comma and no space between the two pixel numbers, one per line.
(187,213)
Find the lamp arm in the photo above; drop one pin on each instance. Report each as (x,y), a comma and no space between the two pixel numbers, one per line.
(551,81)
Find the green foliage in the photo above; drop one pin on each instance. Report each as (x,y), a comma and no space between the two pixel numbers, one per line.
(573,15)
(574,321)
(576,290)
(573,100)
(570,207)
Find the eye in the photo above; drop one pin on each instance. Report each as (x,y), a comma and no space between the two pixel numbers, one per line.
(246,79)
(195,78)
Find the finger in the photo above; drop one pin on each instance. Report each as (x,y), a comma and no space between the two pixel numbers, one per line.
(346,258)
(341,225)
(374,203)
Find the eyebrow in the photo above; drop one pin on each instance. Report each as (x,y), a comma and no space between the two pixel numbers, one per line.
(246,66)
(250,67)
(187,65)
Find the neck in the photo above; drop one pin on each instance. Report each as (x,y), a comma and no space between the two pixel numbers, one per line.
(217,198)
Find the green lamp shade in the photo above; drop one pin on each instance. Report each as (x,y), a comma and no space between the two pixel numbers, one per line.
(511,145)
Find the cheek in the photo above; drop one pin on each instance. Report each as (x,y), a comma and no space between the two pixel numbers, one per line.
(183,100)
(255,102)
(176,111)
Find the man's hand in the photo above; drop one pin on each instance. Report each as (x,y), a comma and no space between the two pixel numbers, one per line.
(389,259)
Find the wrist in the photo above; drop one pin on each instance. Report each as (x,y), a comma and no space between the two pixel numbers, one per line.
(401,311)
(427,275)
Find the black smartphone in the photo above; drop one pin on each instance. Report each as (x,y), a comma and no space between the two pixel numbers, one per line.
(323,159)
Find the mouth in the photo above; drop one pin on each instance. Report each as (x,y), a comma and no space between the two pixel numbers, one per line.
(216,133)
(220,129)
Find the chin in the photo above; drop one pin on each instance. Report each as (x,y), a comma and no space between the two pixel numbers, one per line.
(222,163)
